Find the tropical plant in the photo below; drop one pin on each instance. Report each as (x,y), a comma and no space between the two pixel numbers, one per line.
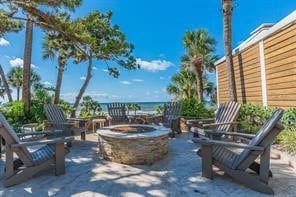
(159,109)
(66,107)
(15,113)
(199,58)
(104,42)
(15,79)
(43,14)
(55,46)
(89,107)
(135,107)
(183,85)
(227,36)
(192,108)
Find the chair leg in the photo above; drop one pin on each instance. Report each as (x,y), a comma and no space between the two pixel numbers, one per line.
(264,165)
(256,168)
(9,161)
(83,135)
(59,159)
(207,168)
(26,173)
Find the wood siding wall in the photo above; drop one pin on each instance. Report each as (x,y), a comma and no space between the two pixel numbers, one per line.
(280,63)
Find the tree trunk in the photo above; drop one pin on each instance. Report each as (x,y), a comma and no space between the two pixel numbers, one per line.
(6,86)
(18,93)
(200,86)
(227,13)
(197,70)
(83,87)
(61,70)
(26,94)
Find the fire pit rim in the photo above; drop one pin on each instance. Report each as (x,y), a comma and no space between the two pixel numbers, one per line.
(159,131)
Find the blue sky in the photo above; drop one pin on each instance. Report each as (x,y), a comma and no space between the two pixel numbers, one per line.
(156,28)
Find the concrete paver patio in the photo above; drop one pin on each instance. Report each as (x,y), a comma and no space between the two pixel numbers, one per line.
(177,175)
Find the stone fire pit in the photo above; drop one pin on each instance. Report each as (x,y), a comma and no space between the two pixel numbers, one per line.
(133,144)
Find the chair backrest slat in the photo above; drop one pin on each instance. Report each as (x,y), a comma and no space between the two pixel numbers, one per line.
(117,111)
(227,112)
(264,138)
(54,113)
(172,110)
(10,136)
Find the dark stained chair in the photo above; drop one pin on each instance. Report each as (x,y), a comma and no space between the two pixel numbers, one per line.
(58,121)
(225,120)
(117,113)
(28,163)
(220,153)
(171,116)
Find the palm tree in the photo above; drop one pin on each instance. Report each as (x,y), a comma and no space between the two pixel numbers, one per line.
(199,46)
(34,10)
(227,35)
(26,93)
(15,79)
(183,85)
(54,46)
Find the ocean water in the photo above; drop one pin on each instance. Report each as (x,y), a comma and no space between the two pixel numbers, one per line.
(146,107)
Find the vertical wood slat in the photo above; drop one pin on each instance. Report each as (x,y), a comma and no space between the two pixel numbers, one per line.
(263,73)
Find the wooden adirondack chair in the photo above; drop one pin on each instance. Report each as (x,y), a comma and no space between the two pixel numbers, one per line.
(218,153)
(171,116)
(117,113)
(29,162)
(58,121)
(226,116)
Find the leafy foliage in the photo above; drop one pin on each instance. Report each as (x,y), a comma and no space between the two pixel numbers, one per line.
(66,107)
(15,113)
(160,109)
(199,57)
(90,107)
(133,106)
(287,139)
(251,117)
(192,108)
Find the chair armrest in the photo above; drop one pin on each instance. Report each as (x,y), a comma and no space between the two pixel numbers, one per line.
(204,141)
(218,124)
(62,123)
(200,121)
(41,142)
(40,133)
(245,135)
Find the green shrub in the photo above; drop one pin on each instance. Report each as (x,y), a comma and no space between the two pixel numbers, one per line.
(193,108)
(66,107)
(251,117)
(289,118)
(287,139)
(15,113)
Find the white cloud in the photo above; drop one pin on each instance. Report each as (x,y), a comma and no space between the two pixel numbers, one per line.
(161,78)
(126,82)
(156,92)
(137,80)
(18,62)
(82,78)
(148,93)
(105,70)
(47,83)
(4,42)
(154,65)
(94,68)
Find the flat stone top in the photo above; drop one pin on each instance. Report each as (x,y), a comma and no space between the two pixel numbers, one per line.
(159,131)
